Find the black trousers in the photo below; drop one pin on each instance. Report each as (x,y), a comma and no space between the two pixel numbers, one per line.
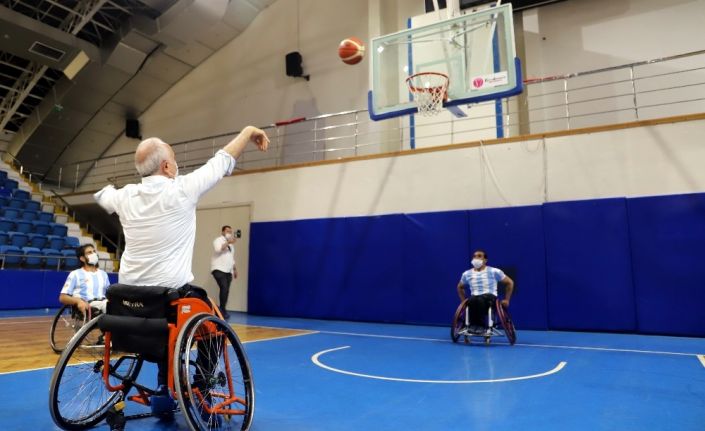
(479,305)
(223,279)
(205,360)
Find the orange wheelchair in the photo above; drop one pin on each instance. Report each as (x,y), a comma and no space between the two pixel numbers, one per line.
(208,371)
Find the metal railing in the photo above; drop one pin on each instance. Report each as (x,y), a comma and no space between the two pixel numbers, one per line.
(655,88)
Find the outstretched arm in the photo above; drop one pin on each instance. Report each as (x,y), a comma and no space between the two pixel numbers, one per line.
(508,289)
(247,135)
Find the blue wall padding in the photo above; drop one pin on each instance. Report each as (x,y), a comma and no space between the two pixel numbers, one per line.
(514,242)
(588,265)
(668,260)
(435,253)
(630,265)
(346,268)
(33,289)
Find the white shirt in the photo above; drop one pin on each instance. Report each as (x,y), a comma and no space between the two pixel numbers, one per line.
(158,218)
(222,260)
(87,285)
(481,282)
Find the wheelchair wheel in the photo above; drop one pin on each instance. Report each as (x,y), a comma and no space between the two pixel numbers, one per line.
(507,324)
(212,376)
(64,326)
(459,321)
(78,397)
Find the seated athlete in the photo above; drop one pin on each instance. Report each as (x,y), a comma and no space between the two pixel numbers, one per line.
(85,287)
(482,282)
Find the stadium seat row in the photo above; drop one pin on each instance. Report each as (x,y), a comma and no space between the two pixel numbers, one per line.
(27,214)
(20,203)
(33,257)
(20,239)
(40,227)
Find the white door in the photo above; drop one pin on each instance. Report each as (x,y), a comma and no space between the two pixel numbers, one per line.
(209,222)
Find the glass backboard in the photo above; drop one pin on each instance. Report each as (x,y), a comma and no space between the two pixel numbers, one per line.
(476,51)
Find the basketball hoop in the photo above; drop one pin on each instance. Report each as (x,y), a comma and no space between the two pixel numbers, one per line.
(430,90)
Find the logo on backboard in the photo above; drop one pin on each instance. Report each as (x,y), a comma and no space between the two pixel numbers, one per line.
(490,81)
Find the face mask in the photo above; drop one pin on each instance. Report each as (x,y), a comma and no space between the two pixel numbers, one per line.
(92,259)
(477,263)
(228,236)
(176,174)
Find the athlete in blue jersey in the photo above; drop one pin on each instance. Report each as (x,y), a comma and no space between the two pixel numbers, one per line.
(482,281)
(85,287)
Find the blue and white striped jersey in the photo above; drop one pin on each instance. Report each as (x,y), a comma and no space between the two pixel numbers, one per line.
(86,285)
(481,282)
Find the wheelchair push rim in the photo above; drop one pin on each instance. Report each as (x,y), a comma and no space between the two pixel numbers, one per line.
(506,321)
(225,392)
(64,327)
(78,397)
(458,321)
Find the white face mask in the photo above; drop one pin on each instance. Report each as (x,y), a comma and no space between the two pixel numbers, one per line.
(228,236)
(92,259)
(477,263)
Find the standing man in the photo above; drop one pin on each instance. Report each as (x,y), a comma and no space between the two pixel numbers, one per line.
(223,265)
(482,281)
(85,287)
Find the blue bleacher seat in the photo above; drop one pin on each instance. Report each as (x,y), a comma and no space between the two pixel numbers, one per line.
(21,194)
(16,203)
(58,229)
(56,242)
(10,184)
(7,225)
(18,239)
(71,242)
(4,238)
(9,261)
(45,216)
(29,215)
(42,227)
(6,194)
(37,240)
(3,175)
(11,213)
(51,262)
(70,259)
(24,226)
(33,205)
(3,200)
(32,257)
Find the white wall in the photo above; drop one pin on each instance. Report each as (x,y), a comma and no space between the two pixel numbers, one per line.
(654,160)
(575,35)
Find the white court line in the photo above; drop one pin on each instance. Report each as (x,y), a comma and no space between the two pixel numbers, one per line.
(702,359)
(315,359)
(550,346)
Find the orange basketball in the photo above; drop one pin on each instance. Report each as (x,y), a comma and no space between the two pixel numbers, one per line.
(351,50)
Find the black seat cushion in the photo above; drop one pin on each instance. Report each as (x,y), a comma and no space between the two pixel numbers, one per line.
(137,318)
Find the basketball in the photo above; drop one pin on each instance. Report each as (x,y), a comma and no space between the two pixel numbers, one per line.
(351,50)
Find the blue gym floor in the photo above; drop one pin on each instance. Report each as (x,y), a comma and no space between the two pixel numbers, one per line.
(358,376)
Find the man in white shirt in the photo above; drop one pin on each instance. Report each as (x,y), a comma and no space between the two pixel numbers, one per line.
(223,265)
(482,281)
(158,216)
(85,287)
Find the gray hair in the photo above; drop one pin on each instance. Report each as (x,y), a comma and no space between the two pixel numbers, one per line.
(149,155)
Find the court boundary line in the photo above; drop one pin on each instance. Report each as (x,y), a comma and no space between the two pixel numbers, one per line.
(316,360)
(701,358)
(552,346)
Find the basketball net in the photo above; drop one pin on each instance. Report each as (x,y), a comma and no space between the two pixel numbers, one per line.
(430,90)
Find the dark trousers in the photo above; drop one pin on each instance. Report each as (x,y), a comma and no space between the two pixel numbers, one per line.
(223,279)
(204,360)
(478,305)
